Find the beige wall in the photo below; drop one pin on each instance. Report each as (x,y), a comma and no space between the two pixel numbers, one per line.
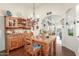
(21,9)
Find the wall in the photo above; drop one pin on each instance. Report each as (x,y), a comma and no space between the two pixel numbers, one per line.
(17,9)
(77,28)
(70,41)
(2,36)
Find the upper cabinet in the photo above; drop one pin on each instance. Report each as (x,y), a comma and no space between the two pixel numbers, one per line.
(10,22)
(15,23)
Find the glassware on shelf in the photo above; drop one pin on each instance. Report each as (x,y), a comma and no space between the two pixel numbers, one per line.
(10,23)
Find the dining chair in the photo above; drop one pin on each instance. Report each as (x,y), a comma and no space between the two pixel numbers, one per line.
(31,48)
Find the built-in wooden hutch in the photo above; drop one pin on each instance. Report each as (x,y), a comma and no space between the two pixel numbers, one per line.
(14,39)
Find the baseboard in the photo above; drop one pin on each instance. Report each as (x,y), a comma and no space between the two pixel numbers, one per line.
(2,51)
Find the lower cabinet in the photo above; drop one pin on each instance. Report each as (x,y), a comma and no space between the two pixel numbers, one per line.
(14,42)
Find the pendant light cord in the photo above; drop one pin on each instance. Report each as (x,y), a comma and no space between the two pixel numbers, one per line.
(34,10)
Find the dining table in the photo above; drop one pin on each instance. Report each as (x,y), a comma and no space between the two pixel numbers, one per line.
(48,44)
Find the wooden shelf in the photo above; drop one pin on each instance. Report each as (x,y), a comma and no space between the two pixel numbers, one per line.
(17,23)
(14,41)
(18,28)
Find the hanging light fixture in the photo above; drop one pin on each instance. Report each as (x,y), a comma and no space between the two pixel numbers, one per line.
(35,19)
(34,15)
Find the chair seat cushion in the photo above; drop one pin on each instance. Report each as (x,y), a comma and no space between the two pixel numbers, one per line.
(35,46)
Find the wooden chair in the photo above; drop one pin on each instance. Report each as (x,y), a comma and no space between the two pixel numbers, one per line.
(31,48)
(28,46)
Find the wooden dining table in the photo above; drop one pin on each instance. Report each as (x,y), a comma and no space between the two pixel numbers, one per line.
(48,45)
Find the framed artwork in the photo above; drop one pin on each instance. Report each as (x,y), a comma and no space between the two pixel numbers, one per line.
(70,28)
(70,22)
(70,32)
